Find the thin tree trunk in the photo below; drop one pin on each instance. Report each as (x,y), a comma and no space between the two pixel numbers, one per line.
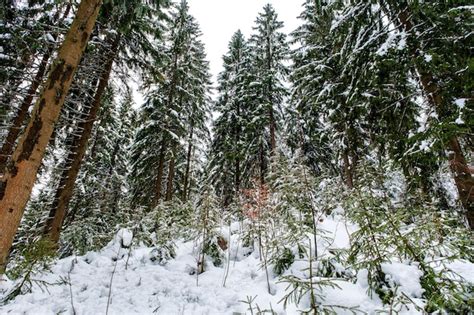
(78,150)
(262,166)
(22,113)
(458,164)
(237,160)
(272,132)
(169,186)
(188,166)
(17,184)
(159,177)
(348,178)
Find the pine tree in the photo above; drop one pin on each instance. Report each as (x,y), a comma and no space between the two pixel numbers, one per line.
(174,113)
(17,123)
(269,53)
(436,65)
(124,22)
(229,145)
(30,149)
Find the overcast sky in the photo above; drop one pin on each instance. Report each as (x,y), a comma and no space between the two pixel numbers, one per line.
(219,19)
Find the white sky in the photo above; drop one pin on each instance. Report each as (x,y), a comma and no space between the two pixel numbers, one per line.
(219,19)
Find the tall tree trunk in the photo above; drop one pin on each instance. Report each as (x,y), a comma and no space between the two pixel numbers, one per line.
(348,178)
(272,132)
(237,160)
(169,185)
(271,114)
(159,177)
(20,117)
(17,183)
(188,166)
(262,166)
(78,150)
(458,164)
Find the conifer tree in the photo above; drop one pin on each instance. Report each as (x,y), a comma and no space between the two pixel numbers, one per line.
(174,112)
(31,147)
(269,53)
(228,150)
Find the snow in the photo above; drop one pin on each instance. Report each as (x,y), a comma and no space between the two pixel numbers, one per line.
(463,268)
(137,284)
(126,237)
(460,102)
(405,276)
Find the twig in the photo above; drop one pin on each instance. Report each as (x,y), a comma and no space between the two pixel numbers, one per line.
(111,280)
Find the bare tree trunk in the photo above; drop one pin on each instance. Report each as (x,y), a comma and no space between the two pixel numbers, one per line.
(17,183)
(65,190)
(188,166)
(159,177)
(458,164)
(22,113)
(169,186)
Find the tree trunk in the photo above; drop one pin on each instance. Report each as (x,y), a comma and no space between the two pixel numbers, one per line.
(159,177)
(169,186)
(237,160)
(17,183)
(188,166)
(458,164)
(22,113)
(78,150)
(347,170)
(262,166)
(272,132)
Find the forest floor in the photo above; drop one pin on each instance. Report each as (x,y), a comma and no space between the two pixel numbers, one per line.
(118,280)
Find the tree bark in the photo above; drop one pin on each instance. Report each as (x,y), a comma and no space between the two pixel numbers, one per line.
(348,178)
(272,132)
(237,160)
(17,183)
(22,113)
(188,166)
(78,150)
(159,177)
(169,186)
(462,176)
(262,166)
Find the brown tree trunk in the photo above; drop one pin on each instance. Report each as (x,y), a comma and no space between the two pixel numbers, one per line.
(188,166)
(169,186)
(462,175)
(237,160)
(22,113)
(17,183)
(272,132)
(347,170)
(78,150)
(159,177)
(262,166)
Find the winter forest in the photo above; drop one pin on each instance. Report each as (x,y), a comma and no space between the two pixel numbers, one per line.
(326,170)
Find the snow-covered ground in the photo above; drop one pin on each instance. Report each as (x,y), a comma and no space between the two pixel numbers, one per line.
(128,282)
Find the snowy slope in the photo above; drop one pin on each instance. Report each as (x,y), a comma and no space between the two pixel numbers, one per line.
(141,286)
